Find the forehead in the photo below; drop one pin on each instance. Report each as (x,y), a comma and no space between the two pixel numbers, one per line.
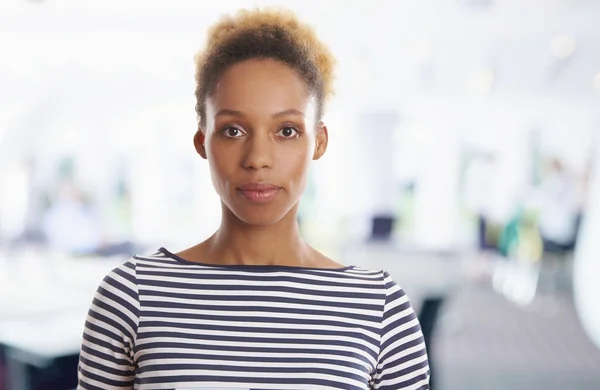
(261,86)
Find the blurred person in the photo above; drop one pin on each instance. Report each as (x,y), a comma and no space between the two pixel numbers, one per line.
(559,202)
(560,207)
(72,224)
(254,306)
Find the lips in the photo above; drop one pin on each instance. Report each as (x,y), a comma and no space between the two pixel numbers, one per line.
(259,192)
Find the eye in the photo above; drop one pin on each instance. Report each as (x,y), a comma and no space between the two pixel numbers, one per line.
(233,132)
(288,132)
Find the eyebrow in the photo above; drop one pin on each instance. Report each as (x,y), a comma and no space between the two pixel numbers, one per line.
(290,112)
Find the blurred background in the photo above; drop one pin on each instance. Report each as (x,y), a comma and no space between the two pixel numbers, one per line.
(462,158)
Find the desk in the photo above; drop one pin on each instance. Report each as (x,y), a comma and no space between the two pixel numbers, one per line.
(43,306)
(39,343)
(420,272)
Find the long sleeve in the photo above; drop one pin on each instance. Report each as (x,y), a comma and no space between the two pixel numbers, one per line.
(403,363)
(107,350)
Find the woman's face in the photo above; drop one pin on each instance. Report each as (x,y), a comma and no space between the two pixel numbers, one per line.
(261,134)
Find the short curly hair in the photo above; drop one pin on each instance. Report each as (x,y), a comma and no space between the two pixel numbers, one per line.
(264,34)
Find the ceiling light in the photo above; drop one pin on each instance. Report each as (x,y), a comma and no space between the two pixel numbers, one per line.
(481,81)
(563,47)
(423,50)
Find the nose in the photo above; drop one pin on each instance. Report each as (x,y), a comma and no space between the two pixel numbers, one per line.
(258,153)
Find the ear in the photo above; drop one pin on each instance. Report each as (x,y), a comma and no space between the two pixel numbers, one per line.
(199,139)
(322,139)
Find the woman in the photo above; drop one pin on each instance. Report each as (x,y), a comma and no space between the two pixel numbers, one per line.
(254,306)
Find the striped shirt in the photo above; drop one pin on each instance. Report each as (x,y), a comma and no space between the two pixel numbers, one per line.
(161,322)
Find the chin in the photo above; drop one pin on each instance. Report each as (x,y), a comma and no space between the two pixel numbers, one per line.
(259,217)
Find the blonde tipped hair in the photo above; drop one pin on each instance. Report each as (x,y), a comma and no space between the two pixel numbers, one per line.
(264,34)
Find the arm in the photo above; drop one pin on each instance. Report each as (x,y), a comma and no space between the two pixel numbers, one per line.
(403,360)
(107,358)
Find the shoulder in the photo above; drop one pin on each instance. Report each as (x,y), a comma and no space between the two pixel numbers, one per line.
(395,300)
(160,261)
(387,287)
(381,278)
(396,297)
(391,285)
(119,291)
(121,283)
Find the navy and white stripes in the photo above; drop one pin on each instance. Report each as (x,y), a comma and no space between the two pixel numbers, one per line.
(160,322)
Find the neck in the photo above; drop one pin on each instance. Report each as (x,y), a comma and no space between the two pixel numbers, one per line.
(236,242)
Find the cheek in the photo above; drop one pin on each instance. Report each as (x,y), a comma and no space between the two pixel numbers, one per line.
(220,163)
(296,161)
